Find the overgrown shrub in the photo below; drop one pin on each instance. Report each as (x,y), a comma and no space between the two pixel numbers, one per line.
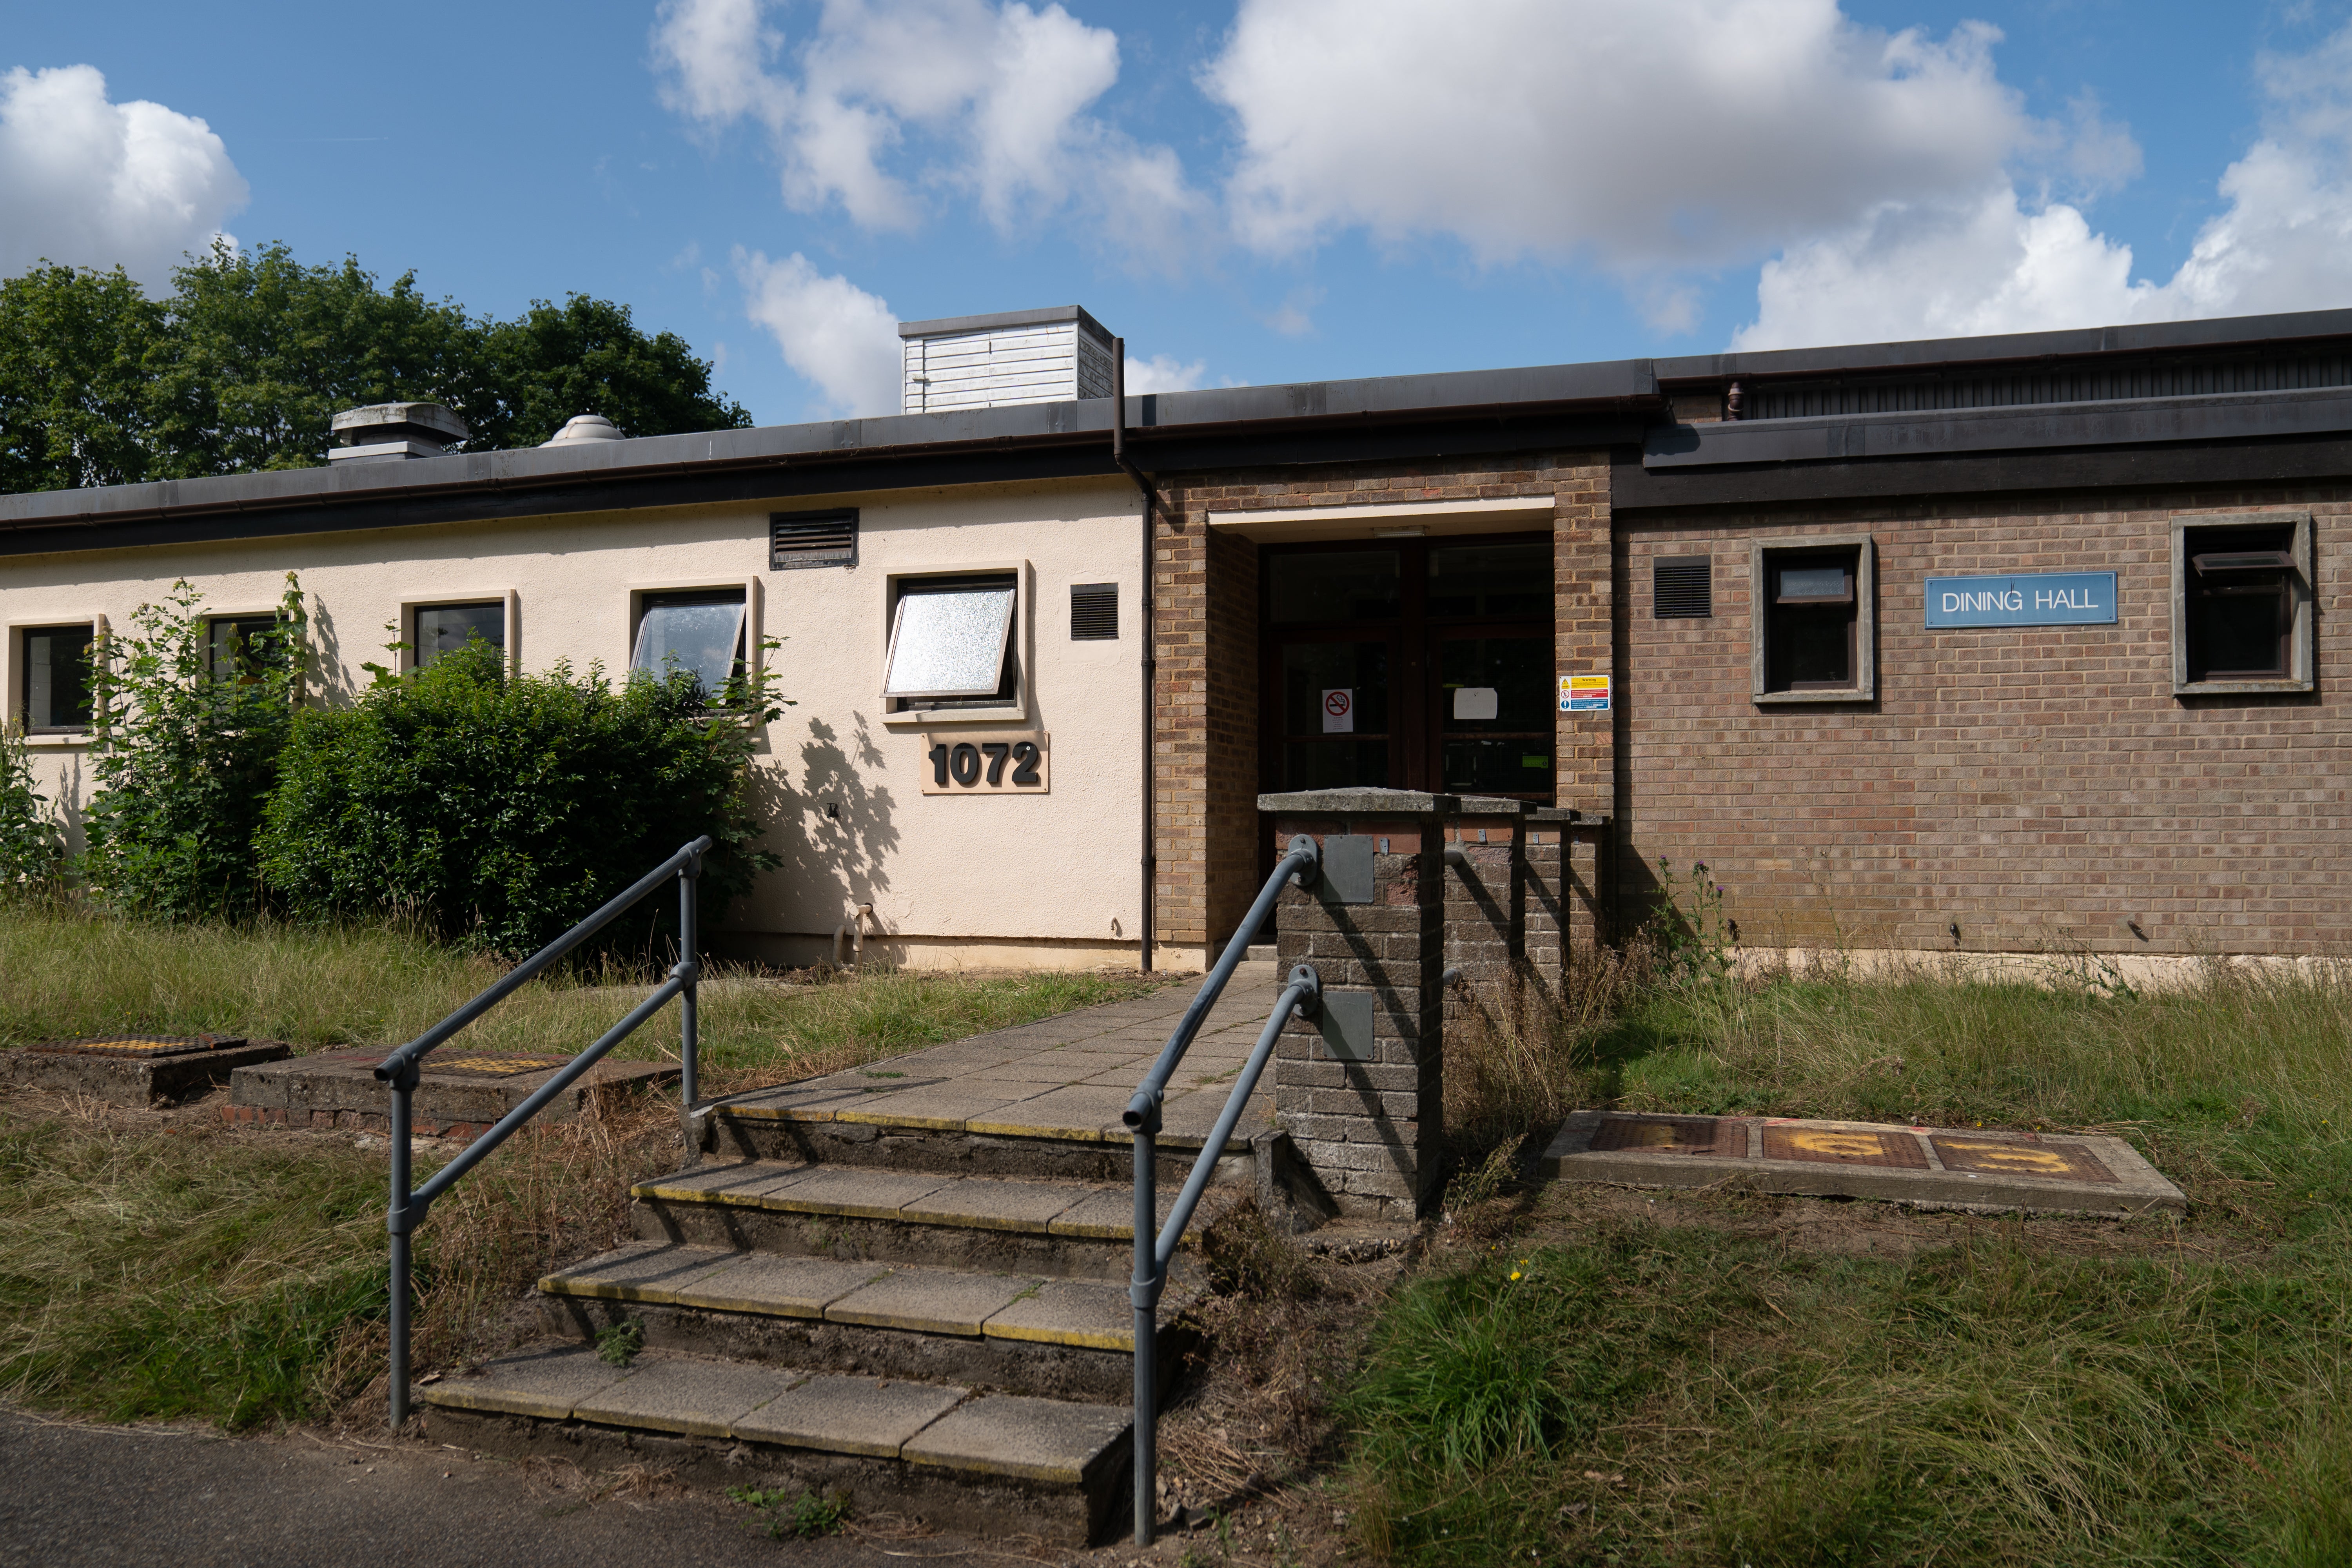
(498,809)
(185,738)
(32,850)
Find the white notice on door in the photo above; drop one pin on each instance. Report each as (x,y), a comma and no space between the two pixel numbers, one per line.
(1475,703)
(1339,711)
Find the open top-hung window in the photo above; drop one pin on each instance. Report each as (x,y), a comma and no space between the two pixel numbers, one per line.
(951,642)
(698,631)
(2241,598)
(1813,622)
(55,695)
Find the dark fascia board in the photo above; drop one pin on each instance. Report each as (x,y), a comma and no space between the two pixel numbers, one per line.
(1932,352)
(1635,489)
(946,326)
(2219,416)
(597,474)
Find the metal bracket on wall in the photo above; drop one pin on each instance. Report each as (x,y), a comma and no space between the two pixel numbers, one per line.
(1347,868)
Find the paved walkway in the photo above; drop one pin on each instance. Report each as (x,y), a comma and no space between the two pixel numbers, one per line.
(1067,1076)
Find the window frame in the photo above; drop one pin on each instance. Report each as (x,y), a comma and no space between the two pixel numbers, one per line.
(754,658)
(1763,554)
(2302,585)
(1024,647)
(208,616)
(16,671)
(509,597)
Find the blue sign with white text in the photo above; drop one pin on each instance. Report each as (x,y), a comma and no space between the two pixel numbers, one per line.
(2033,599)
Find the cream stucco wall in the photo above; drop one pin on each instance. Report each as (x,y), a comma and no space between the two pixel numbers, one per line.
(953,880)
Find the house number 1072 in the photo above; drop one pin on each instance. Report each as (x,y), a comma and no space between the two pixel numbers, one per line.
(985,764)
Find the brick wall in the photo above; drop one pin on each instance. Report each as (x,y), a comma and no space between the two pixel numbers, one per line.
(2039,788)
(1205,737)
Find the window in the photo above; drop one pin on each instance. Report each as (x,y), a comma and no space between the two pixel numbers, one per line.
(2241,603)
(243,647)
(437,629)
(55,690)
(1682,588)
(697,630)
(1815,638)
(951,642)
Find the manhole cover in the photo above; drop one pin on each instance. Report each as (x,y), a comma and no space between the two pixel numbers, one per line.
(1839,1146)
(2000,1157)
(139,1044)
(1723,1137)
(492,1067)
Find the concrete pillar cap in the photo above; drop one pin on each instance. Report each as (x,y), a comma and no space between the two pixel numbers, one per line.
(1362,803)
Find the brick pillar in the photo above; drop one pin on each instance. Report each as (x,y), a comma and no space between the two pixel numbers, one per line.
(1585,633)
(1360,1092)
(1485,903)
(1565,872)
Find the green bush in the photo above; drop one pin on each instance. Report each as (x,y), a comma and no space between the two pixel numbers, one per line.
(32,851)
(500,809)
(185,740)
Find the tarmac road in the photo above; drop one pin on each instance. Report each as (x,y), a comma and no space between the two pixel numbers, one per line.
(95,1497)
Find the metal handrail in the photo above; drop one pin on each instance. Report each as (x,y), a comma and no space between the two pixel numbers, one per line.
(1155,1248)
(403,1067)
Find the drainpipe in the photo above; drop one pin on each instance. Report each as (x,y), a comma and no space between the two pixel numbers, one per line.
(1150,665)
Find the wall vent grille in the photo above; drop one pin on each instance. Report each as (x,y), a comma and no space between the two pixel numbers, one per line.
(812,539)
(1094,612)
(1682,587)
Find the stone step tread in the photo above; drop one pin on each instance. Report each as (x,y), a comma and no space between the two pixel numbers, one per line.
(977,1202)
(1049,1440)
(1088,1314)
(1078,1102)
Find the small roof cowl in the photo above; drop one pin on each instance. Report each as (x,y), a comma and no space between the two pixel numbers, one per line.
(585,427)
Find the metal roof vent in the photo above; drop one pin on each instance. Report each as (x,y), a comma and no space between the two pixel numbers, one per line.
(1053,355)
(585,427)
(393,432)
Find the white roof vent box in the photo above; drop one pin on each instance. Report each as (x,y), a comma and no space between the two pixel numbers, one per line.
(585,427)
(1054,355)
(393,432)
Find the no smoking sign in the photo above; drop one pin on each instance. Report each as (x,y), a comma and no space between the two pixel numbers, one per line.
(1339,711)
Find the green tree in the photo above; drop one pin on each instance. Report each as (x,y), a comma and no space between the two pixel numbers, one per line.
(500,809)
(186,739)
(585,356)
(75,347)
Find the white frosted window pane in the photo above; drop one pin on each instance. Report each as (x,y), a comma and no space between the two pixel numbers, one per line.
(698,638)
(951,643)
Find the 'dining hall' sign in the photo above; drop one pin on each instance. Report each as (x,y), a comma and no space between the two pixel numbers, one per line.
(2033,599)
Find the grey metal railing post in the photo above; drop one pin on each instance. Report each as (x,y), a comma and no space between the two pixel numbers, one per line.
(689,969)
(398,1221)
(1144,1294)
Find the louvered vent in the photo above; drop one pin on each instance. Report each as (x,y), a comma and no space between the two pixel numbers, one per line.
(1682,588)
(812,539)
(1094,612)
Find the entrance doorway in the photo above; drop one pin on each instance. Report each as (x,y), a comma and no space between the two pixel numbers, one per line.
(1422,664)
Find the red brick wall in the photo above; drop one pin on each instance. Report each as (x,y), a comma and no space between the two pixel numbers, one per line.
(1206,613)
(2041,788)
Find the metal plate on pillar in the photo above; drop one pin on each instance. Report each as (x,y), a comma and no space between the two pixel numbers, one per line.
(1347,1025)
(1347,868)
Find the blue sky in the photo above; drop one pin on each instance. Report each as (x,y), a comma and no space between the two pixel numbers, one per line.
(1279,190)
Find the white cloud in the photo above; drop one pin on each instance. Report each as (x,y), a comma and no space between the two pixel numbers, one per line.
(832,331)
(1994,263)
(1674,133)
(1163,373)
(93,184)
(888,101)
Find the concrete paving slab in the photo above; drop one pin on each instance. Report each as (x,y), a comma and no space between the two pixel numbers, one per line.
(699,1398)
(1982,1170)
(1032,1440)
(1193,1115)
(774,1286)
(749,1183)
(1088,1112)
(848,1414)
(855,1192)
(455,1086)
(939,1108)
(136,1070)
(1068,1313)
(1109,1214)
(989,1204)
(641,1271)
(930,1301)
(548,1383)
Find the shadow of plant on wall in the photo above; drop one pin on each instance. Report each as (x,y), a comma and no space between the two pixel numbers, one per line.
(835,828)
